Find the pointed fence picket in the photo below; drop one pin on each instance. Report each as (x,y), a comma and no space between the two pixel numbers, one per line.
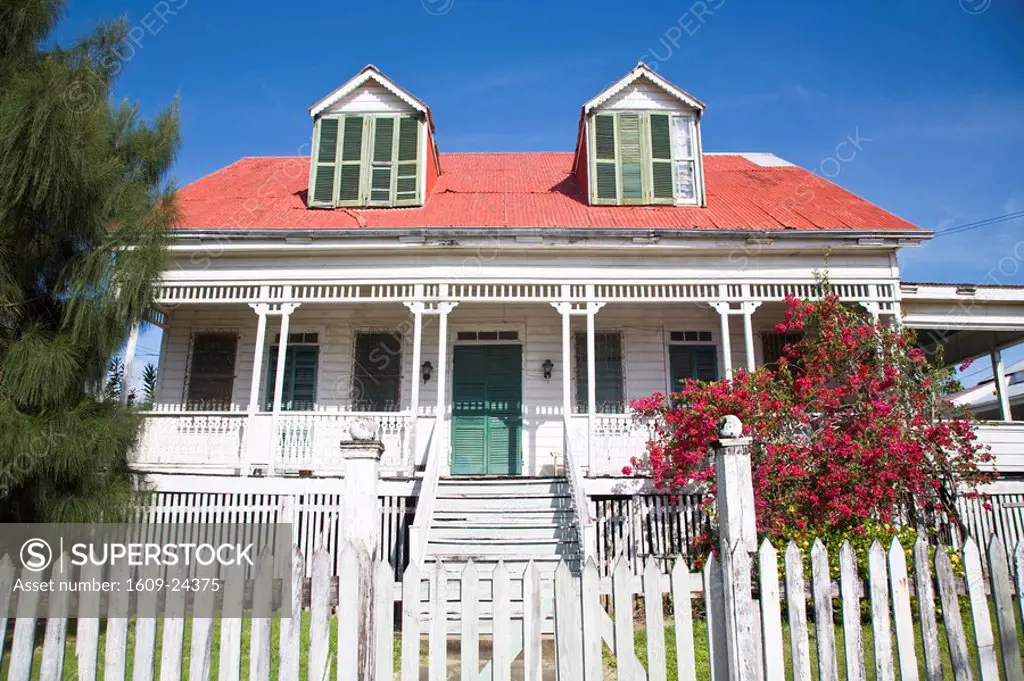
(514,607)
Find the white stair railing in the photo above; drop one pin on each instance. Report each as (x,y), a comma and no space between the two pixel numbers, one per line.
(420,527)
(581,507)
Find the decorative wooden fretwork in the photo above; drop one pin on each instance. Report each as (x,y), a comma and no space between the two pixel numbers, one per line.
(623,291)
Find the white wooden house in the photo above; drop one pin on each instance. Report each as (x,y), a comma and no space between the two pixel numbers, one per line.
(494,313)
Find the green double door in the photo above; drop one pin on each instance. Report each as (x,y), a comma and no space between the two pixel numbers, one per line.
(487,413)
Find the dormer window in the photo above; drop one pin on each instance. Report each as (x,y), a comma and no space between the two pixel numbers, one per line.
(372,146)
(642,139)
(366,160)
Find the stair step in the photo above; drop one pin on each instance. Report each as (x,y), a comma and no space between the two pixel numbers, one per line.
(454,563)
(497,523)
(500,493)
(488,533)
(505,504)
(500,480)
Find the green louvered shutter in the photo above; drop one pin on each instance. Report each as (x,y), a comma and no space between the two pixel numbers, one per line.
(705,363)
(680,365)
(605,174)
(300,370)
(406,184)
(349,191)
(321,181)
(382,161)
(692,361)
(661,159)
(630,158)
(469,411)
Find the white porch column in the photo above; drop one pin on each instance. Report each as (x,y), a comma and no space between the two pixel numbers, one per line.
(129,360)
(999,375)
(261,310)
(252,437)
(566,311)
(282,352)
(442,375)
(592,309)
(723,314)
(747,310)
(416,307)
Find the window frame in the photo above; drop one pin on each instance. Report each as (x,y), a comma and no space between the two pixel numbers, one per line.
(354,405)
(646,152)
(190,374)
(713,343)
(696,158)
(366,162)
(579,373)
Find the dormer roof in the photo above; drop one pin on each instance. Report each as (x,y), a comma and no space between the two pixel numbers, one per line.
(643,71)
(371,73)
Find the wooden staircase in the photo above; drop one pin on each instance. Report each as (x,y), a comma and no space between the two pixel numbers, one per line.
(515,519)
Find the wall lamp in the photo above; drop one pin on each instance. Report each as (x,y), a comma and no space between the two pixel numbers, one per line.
(426,369)
(547,366)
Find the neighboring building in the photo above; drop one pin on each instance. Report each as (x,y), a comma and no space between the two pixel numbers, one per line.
(984,401)
(494,313)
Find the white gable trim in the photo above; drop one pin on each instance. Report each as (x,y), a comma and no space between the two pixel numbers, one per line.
(643,71)
(367,74)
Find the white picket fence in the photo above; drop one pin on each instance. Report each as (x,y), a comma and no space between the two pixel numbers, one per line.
(513,611)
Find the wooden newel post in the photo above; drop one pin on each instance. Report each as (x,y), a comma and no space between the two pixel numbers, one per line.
(360,529)
(737,530)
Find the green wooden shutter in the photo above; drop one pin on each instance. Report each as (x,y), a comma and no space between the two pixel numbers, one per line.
(605,174)
(321,183)
(298,392)
(692,361)
(661,159)
(680,363)
(349,191)
(630,158)
(377,374)
(705,363)
(382,161)
(408,167)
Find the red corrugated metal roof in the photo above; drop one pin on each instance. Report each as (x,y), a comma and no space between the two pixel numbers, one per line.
(531,190)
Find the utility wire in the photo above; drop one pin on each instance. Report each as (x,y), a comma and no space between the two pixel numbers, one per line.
(966,227)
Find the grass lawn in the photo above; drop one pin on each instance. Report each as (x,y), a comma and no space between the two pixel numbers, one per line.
(700,645)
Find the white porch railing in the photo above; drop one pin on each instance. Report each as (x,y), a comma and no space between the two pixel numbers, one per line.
(232,442)
(617,439)
(308,441)
(206,442)
(225,442)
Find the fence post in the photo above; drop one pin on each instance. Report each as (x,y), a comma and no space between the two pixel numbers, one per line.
(737,544)
(360,528)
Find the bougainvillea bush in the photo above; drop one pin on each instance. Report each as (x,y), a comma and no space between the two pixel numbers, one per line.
(851,435)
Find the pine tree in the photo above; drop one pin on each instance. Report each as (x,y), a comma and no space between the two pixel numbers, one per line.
(84,209)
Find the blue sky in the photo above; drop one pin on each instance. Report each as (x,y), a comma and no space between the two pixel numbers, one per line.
(936,87)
